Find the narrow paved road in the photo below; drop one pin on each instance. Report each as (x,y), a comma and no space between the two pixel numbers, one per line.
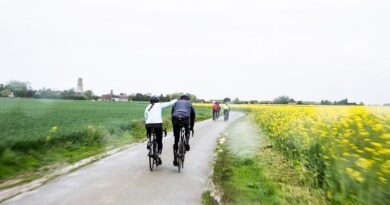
(124,178)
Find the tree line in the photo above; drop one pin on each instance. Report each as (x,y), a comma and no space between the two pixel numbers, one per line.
(283,99)
(24,90)
(163,98)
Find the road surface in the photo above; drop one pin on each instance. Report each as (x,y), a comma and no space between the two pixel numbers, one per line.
(124,178)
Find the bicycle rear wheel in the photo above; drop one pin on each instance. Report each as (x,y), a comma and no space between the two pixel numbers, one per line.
(178,157)
(181,156)
(182,161)
(179,164)
(153,156)
(151,160)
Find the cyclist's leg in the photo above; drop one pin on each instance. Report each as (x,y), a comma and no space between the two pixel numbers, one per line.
(159,138)
(148,131)
(187,127)
(176,134)
(148,134)
(158,132)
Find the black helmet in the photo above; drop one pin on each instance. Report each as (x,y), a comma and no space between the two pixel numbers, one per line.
(154,99)
(184,97)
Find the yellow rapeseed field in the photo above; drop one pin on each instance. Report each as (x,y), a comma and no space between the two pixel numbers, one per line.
(344,150)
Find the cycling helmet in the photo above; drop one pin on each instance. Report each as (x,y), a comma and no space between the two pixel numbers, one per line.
(154,99)
(184,97)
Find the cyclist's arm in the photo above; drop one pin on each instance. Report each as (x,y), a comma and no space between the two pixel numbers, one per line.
(167,104)
(173,109)
(192,117)
(146,112)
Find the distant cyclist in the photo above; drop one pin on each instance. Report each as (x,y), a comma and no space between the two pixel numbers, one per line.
(216,110)
(183,114)
(226,110)
(153,120)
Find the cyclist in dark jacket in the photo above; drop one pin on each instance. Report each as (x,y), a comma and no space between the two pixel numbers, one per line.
(183,114)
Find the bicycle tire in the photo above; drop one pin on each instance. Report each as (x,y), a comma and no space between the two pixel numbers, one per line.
(152,153)
(178,157)
(179,165)
(151,161)
(182,163)
(155,154)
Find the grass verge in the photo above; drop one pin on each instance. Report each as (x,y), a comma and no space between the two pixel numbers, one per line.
(261,176)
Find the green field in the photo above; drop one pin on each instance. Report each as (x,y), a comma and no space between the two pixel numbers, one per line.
(38,133)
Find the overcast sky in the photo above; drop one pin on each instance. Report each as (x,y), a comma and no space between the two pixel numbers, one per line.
(260,49)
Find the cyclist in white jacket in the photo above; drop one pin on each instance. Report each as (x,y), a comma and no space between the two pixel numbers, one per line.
(153,120)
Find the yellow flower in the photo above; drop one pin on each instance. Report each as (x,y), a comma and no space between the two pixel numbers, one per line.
(385,136)
(385,167)
(384,151)
(382,180)
(378,127)
(376,144)
(354,174)
(329,195)
(370,150)
(364,133)
(346,154)
(364,163)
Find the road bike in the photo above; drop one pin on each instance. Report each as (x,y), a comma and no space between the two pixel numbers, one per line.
(153,149)
(181,152)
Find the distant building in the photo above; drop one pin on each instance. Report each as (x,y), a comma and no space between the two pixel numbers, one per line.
(292,102)
(116,98)
(120,98)
(310,103)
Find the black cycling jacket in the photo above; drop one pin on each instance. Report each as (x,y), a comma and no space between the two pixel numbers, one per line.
(184,109)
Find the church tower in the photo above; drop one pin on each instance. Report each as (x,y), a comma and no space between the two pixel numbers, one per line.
(80,86)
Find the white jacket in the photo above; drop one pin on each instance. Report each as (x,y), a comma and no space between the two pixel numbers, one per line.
(154,115)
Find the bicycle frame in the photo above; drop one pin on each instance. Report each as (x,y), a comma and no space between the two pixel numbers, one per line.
(181,149)
(153,155)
